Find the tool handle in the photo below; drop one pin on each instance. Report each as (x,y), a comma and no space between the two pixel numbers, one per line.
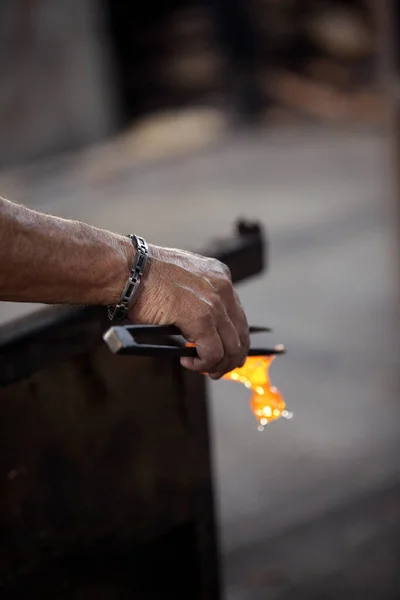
(122,341)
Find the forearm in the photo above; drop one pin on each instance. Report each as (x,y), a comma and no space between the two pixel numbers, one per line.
(50,260)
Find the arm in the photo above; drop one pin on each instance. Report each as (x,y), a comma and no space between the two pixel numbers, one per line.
(51,260)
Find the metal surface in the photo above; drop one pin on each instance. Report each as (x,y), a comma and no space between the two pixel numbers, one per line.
(245,253)
(131,289)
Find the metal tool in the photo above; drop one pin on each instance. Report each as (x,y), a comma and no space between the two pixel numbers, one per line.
(123,340)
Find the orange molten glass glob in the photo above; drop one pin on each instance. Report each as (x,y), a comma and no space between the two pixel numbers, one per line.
(266,403)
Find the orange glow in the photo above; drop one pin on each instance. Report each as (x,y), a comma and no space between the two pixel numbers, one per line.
(266,403)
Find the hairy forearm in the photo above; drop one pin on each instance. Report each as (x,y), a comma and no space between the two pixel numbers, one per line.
(50,260)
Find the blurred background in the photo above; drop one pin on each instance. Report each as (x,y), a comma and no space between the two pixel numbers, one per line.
(180,117)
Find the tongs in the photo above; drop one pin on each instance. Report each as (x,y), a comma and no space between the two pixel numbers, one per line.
(122,339)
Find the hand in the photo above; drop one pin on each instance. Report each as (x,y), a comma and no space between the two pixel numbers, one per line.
(195,294)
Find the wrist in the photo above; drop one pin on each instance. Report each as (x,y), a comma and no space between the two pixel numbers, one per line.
(119,268)
(118,311)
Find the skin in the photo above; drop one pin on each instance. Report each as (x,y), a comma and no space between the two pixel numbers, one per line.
(50,260)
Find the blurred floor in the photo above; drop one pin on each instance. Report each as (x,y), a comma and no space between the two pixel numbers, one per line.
(300,503)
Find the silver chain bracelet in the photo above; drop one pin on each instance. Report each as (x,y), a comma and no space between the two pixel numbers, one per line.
(131,289)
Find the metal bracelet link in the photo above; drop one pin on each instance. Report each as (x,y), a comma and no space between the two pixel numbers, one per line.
(131,289)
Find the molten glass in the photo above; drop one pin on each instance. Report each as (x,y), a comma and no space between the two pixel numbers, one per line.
(266,403)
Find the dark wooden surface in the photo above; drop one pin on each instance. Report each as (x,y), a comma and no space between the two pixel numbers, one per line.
(98,454)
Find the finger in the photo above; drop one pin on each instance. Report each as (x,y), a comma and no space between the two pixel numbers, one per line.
(232,347)
(237,315)
(216,376)
(239,319)
(210,352)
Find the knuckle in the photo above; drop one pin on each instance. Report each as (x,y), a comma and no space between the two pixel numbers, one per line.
(224,277)
(215,264)
(216,306)
(206,317)
(224,285)
(221,270)
(226,272)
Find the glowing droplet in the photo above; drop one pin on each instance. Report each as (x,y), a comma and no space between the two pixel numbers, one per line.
(260,428)
(287,415)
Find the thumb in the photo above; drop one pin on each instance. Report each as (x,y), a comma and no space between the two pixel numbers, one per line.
(187,362)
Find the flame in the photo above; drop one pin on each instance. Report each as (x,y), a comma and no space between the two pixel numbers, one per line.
(266,402)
